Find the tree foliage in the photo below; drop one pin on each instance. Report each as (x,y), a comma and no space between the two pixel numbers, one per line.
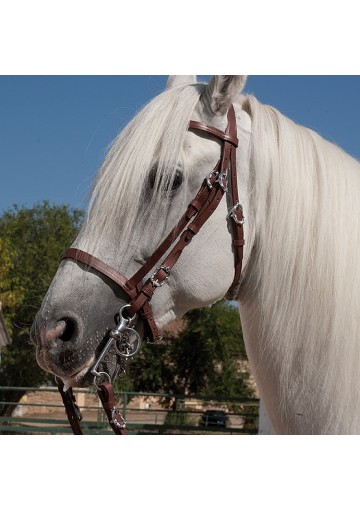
(31,244)
(11,290)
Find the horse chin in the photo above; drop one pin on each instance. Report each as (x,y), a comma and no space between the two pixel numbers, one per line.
(79,379)
(84,377)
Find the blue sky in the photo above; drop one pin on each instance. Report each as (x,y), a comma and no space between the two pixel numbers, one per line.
(54,130)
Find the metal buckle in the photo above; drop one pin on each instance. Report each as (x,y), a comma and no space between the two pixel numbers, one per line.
(208,179)
(233,216)
(114,412)
(154,281)
(158,338)
(222,179)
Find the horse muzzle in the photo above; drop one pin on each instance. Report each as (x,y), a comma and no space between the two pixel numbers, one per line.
(59,347)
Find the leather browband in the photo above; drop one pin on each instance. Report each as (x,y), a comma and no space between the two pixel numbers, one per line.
(195,125)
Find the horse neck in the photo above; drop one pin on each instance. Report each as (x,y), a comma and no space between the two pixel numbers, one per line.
(299,303)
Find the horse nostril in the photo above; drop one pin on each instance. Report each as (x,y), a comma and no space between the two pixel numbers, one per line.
(69,331)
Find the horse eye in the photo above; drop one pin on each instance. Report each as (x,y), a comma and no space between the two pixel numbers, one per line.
(174,182)
(178,179)
(152,177)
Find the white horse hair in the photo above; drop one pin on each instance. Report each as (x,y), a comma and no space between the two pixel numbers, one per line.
(300,292)
(302,288)
(155,139)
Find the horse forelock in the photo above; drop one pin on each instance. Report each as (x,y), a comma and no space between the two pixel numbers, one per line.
(149,147)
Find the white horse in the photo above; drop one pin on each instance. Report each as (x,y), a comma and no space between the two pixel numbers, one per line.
(299,297)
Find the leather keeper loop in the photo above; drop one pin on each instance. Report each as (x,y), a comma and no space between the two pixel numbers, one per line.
(196,205)
(238,243)
(193,228)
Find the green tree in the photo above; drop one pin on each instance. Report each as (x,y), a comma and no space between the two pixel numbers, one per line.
(11,290)
(32,242)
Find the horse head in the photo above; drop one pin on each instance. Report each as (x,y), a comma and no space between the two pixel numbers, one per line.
(153,170)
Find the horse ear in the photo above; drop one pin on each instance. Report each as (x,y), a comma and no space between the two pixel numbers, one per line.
(222,90)
(175,80)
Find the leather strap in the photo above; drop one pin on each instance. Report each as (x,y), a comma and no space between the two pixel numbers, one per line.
(72,410)
(236,215)
(93,262)
(227,137)
(107,398)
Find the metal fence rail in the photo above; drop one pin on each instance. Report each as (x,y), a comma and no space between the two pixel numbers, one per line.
(40,411)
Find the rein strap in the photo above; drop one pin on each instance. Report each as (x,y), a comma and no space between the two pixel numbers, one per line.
(107,398)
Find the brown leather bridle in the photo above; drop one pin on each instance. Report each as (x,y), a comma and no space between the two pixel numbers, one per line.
(141,287)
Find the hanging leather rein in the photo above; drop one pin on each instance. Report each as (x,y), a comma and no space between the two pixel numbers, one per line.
(140,289)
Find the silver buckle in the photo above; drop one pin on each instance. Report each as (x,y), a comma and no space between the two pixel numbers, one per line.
(222,179)
(232,214)
(154,281)
(208,179)
(114,412)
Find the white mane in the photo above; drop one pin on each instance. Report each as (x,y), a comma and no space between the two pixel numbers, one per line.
(305,267)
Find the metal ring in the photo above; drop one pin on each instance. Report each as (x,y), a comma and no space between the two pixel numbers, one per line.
(135,342)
